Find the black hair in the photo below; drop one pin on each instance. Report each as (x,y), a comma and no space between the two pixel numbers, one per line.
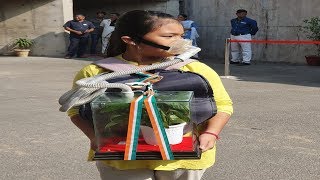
(115,13)
(113,23)
(241,11)
(134,24)
(101,12)
(183,15)
(79,14)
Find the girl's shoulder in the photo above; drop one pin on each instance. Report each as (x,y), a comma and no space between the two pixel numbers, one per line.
(91,70)
(196,66)
(201,69)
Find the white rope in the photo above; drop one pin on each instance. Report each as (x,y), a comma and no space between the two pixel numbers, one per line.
(91,87)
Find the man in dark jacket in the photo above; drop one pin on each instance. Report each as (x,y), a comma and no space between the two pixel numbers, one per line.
(96,34)
(243,28)
(79,29)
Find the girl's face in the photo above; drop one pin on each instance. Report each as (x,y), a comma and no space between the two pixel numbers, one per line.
(167,33)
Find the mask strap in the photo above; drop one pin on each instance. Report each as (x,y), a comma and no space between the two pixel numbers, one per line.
(154,44)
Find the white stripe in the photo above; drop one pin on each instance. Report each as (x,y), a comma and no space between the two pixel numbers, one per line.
(158,127)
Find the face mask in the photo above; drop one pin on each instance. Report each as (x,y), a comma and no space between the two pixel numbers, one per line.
(180,46)
(177,47)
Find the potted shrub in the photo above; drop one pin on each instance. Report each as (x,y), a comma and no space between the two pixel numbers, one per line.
(312,28)
(22,46)
(112,120)
(174,116)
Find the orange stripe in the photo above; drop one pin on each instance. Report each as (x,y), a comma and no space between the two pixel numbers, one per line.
(129,131)
(155,129)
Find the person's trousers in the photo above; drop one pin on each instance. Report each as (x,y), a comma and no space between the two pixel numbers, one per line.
(105,43)
(94,41)
(107,173)
(77,46)
(238,48)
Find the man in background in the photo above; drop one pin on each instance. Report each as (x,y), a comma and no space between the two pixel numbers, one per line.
(108,26)
(96,34)
(190,28)
(243,28)
(79,29)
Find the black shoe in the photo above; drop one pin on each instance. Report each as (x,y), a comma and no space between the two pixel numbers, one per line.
(67,57)
(245,64)
(83,56)
(232,62)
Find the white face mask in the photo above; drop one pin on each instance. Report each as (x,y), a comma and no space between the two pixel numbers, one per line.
(177,47)
(180,46)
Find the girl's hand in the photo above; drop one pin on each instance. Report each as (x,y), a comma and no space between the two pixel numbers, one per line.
(207,141)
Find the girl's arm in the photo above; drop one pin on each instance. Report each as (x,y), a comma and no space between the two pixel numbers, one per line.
(87,128)
(215,126)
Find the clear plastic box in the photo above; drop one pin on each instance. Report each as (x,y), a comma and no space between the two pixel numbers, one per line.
(110,113)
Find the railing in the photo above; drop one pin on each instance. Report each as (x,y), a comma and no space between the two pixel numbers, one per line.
(229,41)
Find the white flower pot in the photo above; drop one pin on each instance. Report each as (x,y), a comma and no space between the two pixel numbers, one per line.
(174,134)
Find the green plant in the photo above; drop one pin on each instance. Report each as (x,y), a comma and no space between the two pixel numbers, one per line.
(23,43)
(172,113)
(312,28)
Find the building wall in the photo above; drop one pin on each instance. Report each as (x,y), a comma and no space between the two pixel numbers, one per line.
(89,9)
(277,20)
(40,20)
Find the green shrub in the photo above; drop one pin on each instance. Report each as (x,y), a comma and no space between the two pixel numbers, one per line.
(311,27)
(23,43)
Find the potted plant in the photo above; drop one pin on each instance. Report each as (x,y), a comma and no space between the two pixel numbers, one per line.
(22,46)
(312,28)
(174,115)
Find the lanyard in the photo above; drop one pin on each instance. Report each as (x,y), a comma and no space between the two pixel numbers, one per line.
(157,125)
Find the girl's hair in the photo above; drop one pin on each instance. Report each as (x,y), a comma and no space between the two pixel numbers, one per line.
(134,24)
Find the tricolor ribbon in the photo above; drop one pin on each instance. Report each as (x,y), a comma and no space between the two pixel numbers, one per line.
(158,128)
(133,128)
(157,125)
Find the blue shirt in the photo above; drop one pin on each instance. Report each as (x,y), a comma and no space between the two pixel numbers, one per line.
(244,26)
(97,28)
(79,26)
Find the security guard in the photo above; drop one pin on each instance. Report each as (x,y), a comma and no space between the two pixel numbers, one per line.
(79,35)
(242,29)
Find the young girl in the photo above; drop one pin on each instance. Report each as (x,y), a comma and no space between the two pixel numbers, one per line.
(128,43)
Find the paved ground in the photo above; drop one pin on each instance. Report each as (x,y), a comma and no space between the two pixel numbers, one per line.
(274,133)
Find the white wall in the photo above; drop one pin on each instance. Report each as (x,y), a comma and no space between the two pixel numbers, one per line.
(277,19)
(38,20)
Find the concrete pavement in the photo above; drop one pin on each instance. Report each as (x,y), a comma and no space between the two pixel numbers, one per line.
(273,134)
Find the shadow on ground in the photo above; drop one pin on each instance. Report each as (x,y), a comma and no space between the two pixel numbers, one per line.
(301,75)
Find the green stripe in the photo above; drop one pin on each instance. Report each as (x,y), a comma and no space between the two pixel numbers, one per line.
(161,126)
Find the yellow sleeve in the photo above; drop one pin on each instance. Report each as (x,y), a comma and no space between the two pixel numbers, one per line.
(222,98)
(87,71)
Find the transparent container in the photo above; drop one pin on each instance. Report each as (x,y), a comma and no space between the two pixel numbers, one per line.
(110,113)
